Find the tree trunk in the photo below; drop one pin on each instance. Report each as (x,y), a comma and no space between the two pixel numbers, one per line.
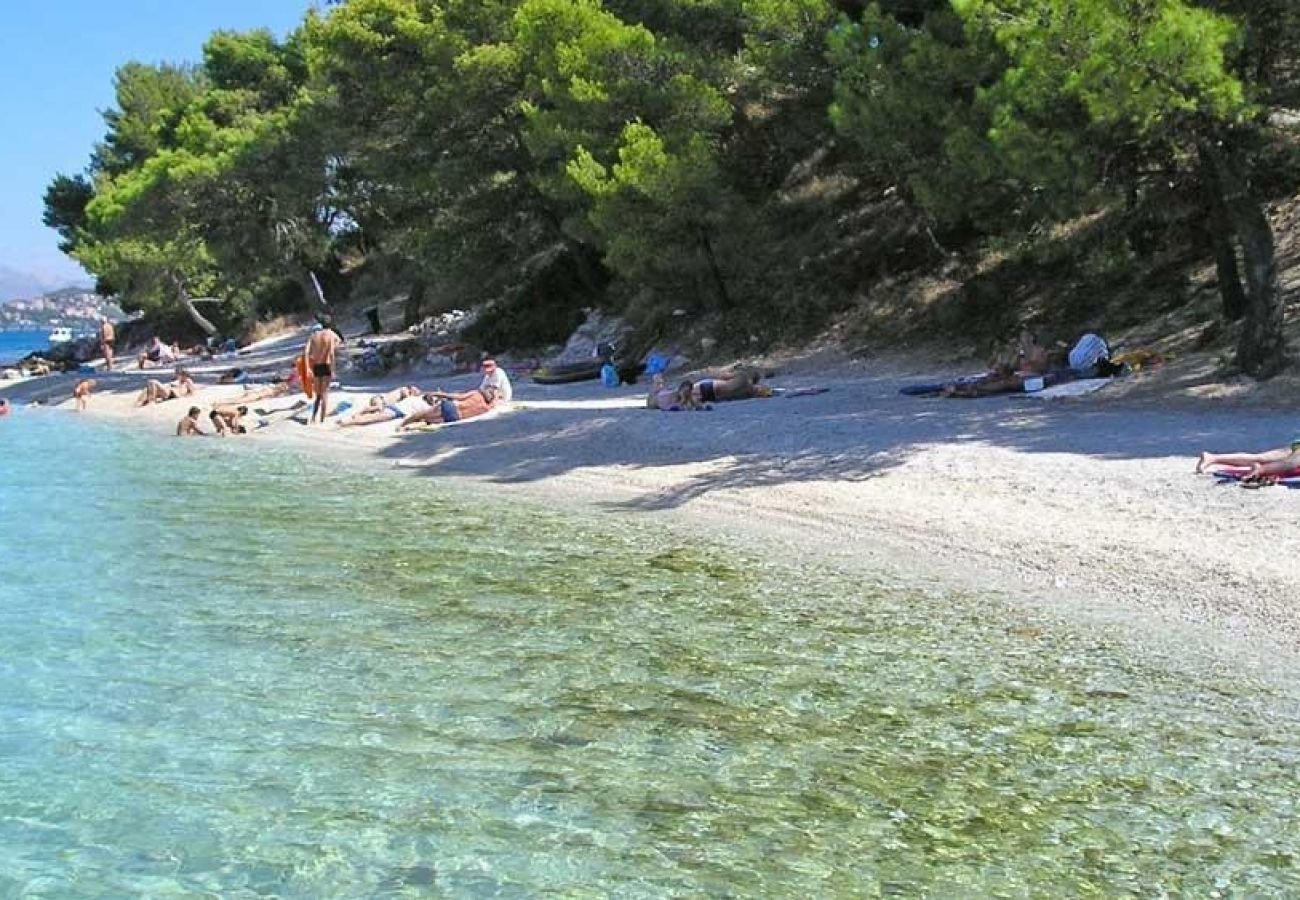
(719,283)
(184,297)
(413,310)
(1219,233)
(1261,349)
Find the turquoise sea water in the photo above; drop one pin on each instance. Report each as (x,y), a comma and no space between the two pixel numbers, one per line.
(231,671)
(14,345)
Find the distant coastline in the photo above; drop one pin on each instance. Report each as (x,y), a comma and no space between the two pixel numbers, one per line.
(74,308)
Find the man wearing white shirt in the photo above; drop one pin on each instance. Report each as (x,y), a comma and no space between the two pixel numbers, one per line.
(496,378)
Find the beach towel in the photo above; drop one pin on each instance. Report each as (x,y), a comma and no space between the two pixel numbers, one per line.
(1234,476)
(798,392)
(1071,389)
(933,390)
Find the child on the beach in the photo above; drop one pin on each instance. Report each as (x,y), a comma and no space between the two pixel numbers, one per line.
(82,391)
(189,426)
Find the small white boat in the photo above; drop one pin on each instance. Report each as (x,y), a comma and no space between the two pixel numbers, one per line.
(60,336)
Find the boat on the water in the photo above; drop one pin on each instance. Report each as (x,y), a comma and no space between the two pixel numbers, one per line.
(60,336)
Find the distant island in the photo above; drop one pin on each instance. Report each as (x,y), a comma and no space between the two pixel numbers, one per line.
(75,308)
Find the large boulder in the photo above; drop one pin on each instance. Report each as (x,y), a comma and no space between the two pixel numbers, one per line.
(599,329)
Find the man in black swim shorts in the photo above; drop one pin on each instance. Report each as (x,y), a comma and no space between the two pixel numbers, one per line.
(319,352)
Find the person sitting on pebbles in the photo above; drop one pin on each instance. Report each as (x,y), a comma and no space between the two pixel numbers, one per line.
(1261,468)
(82,391)
(157,392)
(446,408)
(228,419)
(157,354)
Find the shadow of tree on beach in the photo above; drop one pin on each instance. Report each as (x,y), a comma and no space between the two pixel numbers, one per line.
(860,430)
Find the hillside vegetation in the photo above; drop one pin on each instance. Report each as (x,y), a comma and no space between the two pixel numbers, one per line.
(755,169)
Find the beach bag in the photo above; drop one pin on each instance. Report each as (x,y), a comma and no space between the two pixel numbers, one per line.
(1090,350)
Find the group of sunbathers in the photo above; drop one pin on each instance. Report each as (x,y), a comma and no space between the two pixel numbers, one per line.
(410,406)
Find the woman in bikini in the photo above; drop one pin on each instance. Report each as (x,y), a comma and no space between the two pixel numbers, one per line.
(667,399)
(157,392)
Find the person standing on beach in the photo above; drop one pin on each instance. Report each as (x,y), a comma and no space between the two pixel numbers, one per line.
(107,335)
(320,352)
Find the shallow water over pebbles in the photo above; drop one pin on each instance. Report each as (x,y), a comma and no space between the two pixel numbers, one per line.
(221,675)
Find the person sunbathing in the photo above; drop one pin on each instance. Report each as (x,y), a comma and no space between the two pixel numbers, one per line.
(409,404)
(1008,369)
(157,392)
(1268,464)
(394,396)
(228,419)
(737,384)
(446,408)
(82,391)
(266,391)
(670,399)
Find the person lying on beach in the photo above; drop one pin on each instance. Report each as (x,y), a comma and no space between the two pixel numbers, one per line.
(446,408)
(228,419)
(396,395)
(1260,467)
(157,392)
(266,391)
(82,391)
(738,384)
(189,426)
(672,399)
(157,353)
(401,408)
(1008,369)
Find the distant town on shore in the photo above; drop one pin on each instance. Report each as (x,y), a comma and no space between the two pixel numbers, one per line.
(75,308)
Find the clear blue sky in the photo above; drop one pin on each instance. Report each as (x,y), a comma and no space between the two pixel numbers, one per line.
(57,61)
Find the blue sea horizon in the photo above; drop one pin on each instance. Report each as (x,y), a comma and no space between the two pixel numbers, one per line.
(14,345)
